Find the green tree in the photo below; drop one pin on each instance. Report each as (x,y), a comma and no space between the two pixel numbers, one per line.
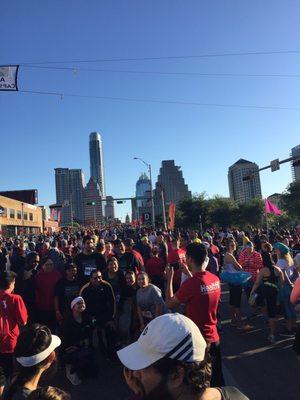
(291,200)
(222,211)
(190,211)
(250,213)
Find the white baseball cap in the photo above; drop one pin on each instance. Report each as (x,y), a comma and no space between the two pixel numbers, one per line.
(168,336)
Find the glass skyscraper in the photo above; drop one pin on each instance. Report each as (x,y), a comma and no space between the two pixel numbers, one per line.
(96,161)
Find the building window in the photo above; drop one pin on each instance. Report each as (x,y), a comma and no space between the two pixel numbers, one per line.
(25,216)
(19,214)
(12,213)
(30,217)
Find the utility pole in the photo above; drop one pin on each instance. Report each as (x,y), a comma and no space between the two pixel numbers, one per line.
(163,208)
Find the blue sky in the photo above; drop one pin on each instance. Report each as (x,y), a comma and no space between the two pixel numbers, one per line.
(39,133)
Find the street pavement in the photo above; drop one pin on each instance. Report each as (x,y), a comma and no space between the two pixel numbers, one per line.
(260,370)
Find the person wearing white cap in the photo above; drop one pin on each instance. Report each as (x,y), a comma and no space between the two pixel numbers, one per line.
(34,353)
(169,361)
(76,334)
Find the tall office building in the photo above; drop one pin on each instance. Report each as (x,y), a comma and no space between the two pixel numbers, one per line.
(92,203)
(110,208)
(69,185)
(244,181)
(142,189)
(171,181)
(296,168)
(96,161)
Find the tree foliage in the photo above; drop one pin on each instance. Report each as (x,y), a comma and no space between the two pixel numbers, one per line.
(291,200)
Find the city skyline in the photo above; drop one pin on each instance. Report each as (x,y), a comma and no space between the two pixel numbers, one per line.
(222,87)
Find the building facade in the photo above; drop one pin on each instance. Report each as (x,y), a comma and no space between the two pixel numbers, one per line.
(110,208)
(244,181)
(142,189)
(96,161)
(170,180)
(18,218)
(69,185)
(296,169)
(92,203)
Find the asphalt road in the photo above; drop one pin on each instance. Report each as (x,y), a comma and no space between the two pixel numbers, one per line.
(262,371)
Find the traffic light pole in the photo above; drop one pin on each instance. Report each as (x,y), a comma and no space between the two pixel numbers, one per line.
(280,162)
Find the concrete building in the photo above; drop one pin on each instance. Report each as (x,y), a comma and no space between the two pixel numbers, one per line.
(92,203)
(18,218)
(171,181)
(69,185)
(96,161)
(296,169)
(110,208)
(244,181)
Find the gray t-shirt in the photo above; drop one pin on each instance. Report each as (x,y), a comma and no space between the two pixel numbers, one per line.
(148,298)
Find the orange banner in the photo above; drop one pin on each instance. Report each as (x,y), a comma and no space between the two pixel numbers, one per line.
(171,220)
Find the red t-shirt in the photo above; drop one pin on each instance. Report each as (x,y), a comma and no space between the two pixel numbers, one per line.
(155,266)
(12,314)
(201,294)
(176,256)
(45,283)
(138,256)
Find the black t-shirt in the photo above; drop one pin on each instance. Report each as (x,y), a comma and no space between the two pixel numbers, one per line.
(74,333)
(86,263)
(100,302)
(66,291)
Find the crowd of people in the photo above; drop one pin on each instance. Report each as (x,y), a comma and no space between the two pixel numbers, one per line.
(112,289)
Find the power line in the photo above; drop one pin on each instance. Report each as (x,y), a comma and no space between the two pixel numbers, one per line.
(76,69)
(236,54)
(177,102)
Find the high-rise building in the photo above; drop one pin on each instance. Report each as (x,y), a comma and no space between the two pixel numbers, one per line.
(244,181)
(96,161)
(69,185)
(110,208)
(171,181)
(92,203)
(142,189)
(296,168)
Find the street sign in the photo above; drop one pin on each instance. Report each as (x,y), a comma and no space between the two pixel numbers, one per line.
(275,166)
(146,217)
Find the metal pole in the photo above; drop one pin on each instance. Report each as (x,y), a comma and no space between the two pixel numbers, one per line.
(152,197)
(94,207)
(163,208)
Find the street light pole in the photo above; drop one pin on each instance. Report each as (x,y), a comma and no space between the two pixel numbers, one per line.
(151,189)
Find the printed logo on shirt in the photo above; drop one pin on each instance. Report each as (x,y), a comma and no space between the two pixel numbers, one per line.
(213,287)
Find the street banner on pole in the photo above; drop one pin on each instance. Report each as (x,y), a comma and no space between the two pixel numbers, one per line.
(9,77)
(171,220)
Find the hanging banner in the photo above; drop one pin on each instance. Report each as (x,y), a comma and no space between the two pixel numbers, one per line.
(171,220)
(9,77)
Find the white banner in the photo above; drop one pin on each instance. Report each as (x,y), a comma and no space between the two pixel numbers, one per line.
(9,77)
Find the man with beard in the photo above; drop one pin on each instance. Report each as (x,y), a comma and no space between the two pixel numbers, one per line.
(173,364)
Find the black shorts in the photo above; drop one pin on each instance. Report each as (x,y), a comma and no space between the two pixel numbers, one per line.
(235,295)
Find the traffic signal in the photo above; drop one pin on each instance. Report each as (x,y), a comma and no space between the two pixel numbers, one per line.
(91,203)
(248,177)
(296,163)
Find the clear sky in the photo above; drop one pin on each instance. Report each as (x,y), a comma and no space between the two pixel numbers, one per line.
(41,132)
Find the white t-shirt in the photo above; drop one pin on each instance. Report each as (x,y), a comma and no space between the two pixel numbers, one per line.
(284,266)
